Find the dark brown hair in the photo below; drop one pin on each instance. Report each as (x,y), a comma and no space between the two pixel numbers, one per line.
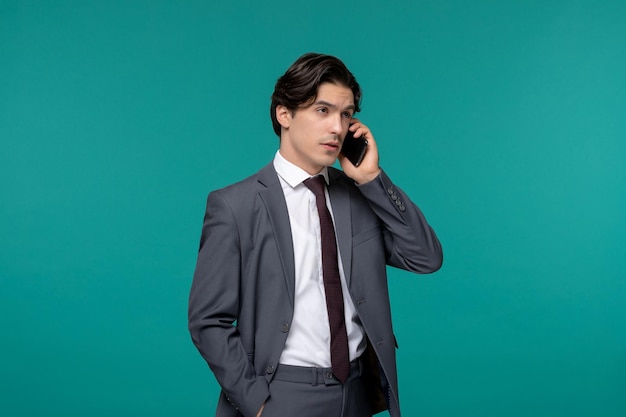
(301,81)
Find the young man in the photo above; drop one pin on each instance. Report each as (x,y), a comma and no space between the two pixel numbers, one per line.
(289,303)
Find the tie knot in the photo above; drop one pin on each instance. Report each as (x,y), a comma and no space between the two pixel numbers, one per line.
(316,184)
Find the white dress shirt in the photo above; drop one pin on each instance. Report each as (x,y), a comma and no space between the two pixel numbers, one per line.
(308,342)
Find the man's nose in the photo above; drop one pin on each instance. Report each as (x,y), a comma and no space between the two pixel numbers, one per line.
(336,125)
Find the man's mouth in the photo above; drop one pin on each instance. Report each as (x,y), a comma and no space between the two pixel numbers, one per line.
(331,145)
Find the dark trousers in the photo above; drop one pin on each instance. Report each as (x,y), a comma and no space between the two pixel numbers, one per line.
(314,392)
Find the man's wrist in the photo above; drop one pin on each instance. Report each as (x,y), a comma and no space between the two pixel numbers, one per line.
(368,178)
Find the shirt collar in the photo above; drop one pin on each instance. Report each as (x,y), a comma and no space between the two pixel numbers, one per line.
(293,174)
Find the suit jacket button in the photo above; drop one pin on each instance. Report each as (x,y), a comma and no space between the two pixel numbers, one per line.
(270,369)
(390,191)
(285,327)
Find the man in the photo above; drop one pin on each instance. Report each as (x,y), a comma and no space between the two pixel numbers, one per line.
(289,303)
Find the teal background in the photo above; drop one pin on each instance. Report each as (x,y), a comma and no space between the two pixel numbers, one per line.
(505,121)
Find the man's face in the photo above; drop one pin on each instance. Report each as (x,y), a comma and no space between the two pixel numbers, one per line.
(311,137)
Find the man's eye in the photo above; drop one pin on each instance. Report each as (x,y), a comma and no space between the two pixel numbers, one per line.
(322,110)
(347,114)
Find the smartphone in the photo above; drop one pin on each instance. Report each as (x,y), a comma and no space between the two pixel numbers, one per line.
(354,148)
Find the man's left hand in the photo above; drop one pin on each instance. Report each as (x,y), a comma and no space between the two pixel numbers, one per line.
(368,169)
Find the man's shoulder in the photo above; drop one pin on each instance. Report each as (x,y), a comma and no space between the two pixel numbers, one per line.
(246,183)
(249,185)
(338,177)
(337,174)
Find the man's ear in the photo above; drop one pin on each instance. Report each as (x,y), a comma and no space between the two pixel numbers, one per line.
(283,115)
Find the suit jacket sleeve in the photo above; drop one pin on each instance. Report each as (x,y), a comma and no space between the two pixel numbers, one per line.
(214,306)
(410,242)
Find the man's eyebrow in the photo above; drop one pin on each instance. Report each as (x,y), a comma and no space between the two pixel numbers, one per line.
(332,106)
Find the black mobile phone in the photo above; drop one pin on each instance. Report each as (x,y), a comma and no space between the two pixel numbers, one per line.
(354,148)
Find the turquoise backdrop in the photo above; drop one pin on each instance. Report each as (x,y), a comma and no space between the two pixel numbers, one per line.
(504,120)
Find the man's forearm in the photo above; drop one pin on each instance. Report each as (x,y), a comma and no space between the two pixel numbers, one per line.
(412,244)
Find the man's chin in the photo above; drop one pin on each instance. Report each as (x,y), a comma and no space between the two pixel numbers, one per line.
(330,161)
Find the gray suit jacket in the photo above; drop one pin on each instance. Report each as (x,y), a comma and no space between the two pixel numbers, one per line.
(241,301)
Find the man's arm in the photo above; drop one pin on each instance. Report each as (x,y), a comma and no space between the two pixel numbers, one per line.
(214,305)
(410,242)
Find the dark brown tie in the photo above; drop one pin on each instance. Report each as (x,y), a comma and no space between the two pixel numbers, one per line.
(339,356)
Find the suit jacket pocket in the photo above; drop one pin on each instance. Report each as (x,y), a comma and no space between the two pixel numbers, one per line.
(365,236)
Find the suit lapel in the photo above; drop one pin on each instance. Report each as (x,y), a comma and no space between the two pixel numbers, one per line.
(272,195)
(340,201)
